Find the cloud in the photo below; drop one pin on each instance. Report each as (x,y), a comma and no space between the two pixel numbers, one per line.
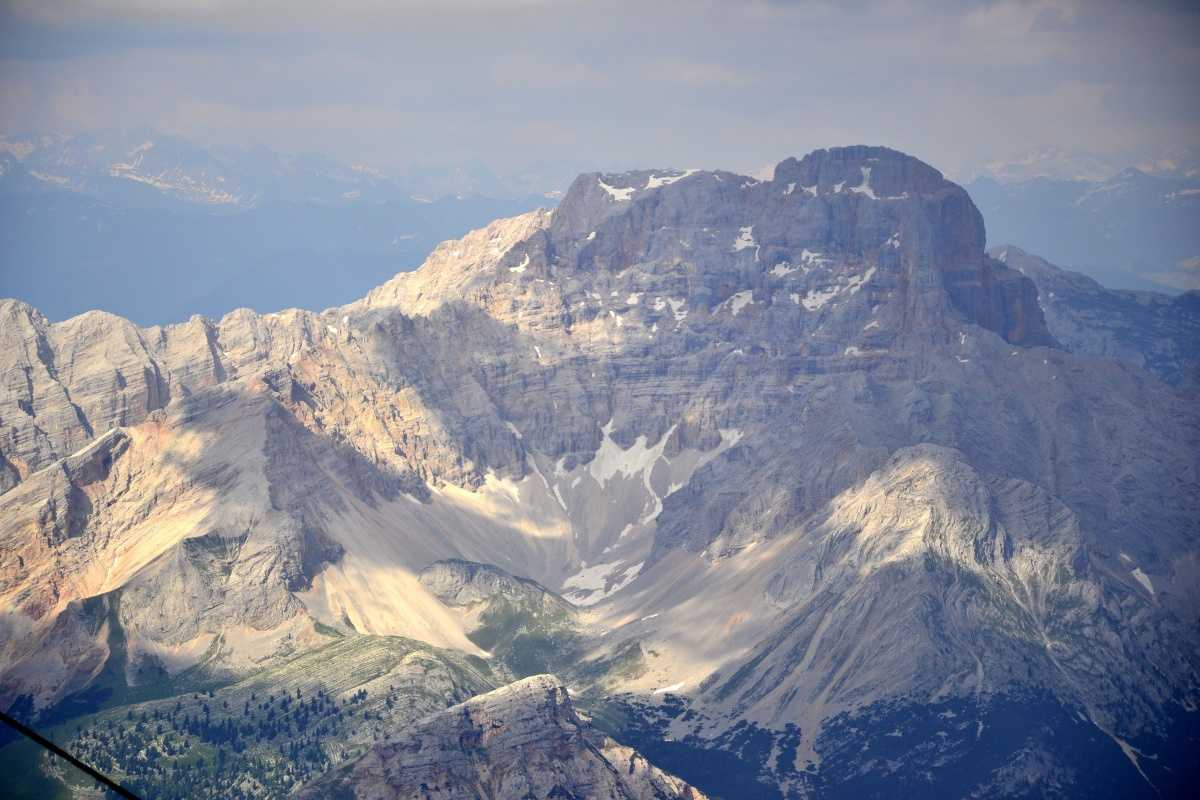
(672,82)
(679,71)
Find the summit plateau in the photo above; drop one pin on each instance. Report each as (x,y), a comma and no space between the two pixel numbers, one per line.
(788,481)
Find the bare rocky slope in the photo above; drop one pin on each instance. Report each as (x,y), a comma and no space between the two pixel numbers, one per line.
(789,473)
(522,740)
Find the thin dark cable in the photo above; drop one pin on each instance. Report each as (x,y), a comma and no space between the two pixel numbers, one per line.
(58,751)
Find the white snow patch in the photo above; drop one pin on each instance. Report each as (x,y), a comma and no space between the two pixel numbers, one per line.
(520,267)
(1143,579)
(894,240)
(814,300)
(852,351)
(740,301)
(591,236)
(857,282)
(676,305)
(838,187)
(872,324)
(795,298)
(659,304)
(633,299)
(538,351)
(809,257)
(810,189)
(617,194)
(791,188)
(587,587)
(346,320)
(667,180)
(674,687)
(1003,257)
(1125,558)
(331,329)
(745,239)
(783,268)
(514,430)
(865,188)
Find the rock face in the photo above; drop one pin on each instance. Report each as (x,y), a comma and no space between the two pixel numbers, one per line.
(810,464)
(1159,333)
(521,742)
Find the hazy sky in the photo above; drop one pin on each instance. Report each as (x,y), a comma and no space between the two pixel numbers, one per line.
(736,85)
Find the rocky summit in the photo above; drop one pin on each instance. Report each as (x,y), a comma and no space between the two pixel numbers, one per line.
(788,480)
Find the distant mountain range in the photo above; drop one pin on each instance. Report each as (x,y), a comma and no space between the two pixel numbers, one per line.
(1131,231)
(148,169)
(156,228)
(1061,164)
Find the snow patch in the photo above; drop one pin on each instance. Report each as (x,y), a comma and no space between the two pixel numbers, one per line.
(591,584)
(865,188)
(674,687)
(676,305)
(520,267)
(740,301)
(591,236)
(617,194)
(814,300)
(809,257)
(783,268)
(1143,579)
(667,180)
(633,299)
(745,239)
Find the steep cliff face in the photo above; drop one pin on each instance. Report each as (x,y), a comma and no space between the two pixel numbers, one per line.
(1159,333)
(803,457)
(522,741)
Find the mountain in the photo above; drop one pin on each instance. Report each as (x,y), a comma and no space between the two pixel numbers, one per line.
(156,228)
(1129,231)
(789,481)
(1053,163)
(147,169)
(1160,333)
(523,740)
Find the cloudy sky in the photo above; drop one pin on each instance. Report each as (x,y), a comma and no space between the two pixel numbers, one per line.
(735,85)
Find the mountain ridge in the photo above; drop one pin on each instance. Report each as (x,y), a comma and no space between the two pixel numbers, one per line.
(798,450)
